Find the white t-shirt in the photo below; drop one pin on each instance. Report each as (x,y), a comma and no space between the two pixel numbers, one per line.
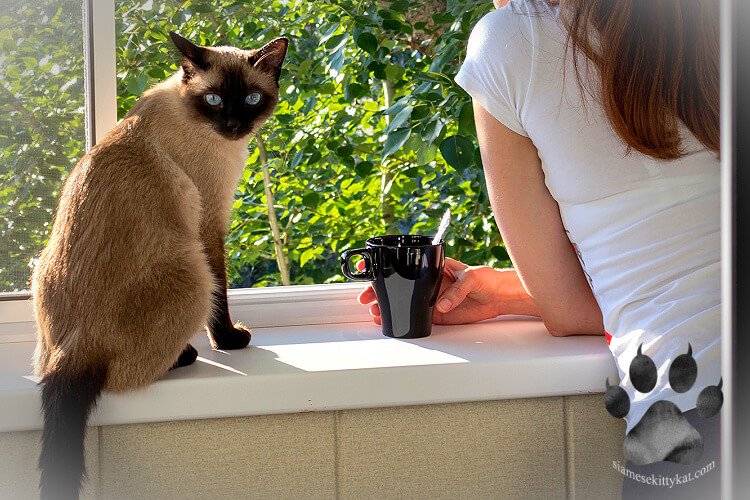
(646,230)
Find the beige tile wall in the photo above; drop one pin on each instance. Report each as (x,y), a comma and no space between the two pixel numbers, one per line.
(526,448)
(594,440)
(19,452)
(495,449)
(280,456)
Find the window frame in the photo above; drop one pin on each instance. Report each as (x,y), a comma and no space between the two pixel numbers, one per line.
(100,68)
(278,306)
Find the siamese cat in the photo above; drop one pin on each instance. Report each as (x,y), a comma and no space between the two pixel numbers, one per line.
(135,262)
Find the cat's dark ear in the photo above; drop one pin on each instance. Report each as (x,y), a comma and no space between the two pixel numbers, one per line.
(269,57)
(192,52)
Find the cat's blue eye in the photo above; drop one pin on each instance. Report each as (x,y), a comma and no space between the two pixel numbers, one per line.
(213,99)
(253,99)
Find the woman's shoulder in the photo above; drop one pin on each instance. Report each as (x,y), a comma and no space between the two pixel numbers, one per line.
(516,30)
(517,15)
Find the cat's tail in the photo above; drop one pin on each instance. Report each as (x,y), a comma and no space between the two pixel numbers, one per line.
(67,400)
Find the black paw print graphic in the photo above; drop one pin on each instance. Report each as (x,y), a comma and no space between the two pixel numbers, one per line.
(663,433)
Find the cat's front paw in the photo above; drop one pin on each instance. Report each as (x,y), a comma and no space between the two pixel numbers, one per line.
(235,337)
(187,357)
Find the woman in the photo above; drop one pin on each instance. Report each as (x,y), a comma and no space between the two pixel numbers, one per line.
(598,124)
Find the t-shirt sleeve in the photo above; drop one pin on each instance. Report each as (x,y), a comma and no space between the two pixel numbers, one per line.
(496,70)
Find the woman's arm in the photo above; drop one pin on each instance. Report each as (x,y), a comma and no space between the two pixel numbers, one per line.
(529,221)
(469,294)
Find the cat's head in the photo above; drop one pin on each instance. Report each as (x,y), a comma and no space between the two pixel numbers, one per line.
(233,90)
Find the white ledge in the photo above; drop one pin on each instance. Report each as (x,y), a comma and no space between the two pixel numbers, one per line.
(291,369)
(258,307)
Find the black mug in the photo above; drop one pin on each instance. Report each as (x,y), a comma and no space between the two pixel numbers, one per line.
(405,271)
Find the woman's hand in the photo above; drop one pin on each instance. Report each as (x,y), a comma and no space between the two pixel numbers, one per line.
(467,294)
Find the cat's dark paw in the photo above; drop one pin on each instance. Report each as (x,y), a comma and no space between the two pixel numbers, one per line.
(187,357)
(663,434)
(236,337)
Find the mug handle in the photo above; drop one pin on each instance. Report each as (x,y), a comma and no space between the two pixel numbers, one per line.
(367,274)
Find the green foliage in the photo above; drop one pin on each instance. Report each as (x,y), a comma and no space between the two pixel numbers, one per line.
(343,165)
(42,131)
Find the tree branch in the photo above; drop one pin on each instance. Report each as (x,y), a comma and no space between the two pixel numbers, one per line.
(281,258)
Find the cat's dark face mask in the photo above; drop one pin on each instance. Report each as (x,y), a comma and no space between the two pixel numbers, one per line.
(233,90)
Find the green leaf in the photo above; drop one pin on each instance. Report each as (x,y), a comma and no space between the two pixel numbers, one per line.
(354,91)
(286,119)
(415,143)
(311,200)
(367,42)
(399,120)
(30,62)
(378,70)
(306,256)
(500,253)
(397,107)
(137,84)
(458,151)
(432,129)
(466,120)
(442,18)
(296,159)
(156,73)
(478,160)
(420,112)
(389,14)
(345,150)
(426,154)
(400,6)
(432,97)
(393,25)
(364,21)
(395,140)
(364,168)
(412,172)
(335,41)
(327,88)
(394,72)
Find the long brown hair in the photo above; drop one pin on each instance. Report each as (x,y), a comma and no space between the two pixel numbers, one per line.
(658,64)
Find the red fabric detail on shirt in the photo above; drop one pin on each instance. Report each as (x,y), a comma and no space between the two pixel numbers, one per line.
(607,336)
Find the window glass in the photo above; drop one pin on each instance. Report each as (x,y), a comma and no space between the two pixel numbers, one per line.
(42,131)
(371,134)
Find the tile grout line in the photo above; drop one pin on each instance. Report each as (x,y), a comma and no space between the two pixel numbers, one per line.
(568,451)
(99,494)
(337,491)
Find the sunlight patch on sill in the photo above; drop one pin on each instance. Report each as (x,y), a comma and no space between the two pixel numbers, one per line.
(219,365)
(359,354)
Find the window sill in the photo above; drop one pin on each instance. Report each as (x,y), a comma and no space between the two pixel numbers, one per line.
(290,369)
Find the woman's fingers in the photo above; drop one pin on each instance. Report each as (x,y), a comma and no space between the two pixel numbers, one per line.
(367,295)
(453,266)
(375,310)
(454,293)
(375,313)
